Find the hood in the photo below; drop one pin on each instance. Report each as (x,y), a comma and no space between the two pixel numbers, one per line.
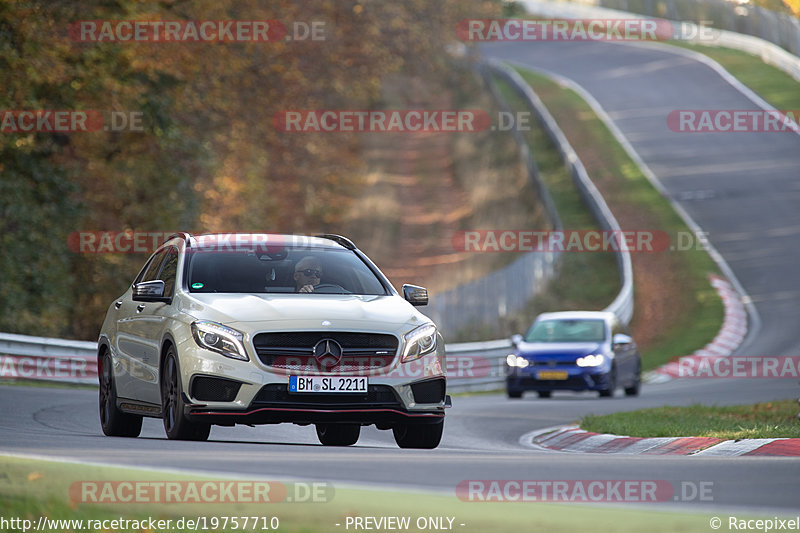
(559,351)
(306,311)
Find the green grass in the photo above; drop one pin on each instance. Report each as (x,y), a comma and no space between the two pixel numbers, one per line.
(770,83)
(762,420)
(30,489)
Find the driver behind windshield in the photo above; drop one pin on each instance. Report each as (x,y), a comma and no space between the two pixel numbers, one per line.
(307,274)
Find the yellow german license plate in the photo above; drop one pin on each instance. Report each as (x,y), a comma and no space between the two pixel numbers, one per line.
(552,374)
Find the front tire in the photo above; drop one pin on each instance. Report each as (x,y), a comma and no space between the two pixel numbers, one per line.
(612,384)
(115,423)
(422,436)
(545,393)
(176,425)
(514,394)
(633,390)
(338,434)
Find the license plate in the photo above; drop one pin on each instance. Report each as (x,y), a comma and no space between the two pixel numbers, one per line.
(552,374)
(326,384)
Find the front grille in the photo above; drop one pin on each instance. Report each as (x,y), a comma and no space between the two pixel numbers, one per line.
(208,389)
(294,351)
(431,391)
(549,364)
(376,396)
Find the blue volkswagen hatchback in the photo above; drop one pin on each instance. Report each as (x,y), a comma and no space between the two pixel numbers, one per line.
(576,351)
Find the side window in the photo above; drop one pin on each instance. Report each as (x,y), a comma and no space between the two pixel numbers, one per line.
(169,270)
(150,272)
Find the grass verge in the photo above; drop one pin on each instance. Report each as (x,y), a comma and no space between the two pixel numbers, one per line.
(758,421)
(30,489)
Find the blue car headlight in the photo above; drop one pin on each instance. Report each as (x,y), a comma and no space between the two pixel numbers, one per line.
(590,360)
(517,361)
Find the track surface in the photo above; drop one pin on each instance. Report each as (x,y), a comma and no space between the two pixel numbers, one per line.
(741,188)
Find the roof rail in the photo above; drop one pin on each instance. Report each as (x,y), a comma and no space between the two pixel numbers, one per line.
(181,235)
(344,241)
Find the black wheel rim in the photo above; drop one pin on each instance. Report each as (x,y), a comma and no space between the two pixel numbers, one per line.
(105,391)
(171,394)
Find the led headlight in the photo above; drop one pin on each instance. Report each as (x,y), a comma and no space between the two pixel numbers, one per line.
(590,360)
(514,360)
(220,339)
(418,342)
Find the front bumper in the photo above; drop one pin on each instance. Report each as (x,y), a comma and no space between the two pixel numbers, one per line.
(578,379)
(254,395)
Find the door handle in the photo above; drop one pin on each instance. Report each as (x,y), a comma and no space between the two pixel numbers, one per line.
(140,308)
(118,304)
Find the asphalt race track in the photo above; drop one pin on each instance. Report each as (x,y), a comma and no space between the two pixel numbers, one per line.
(741,188)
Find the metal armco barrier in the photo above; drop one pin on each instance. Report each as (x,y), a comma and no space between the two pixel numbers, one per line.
(477,366)
(44,359)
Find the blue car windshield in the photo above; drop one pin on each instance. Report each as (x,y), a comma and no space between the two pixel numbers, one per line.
(577,330)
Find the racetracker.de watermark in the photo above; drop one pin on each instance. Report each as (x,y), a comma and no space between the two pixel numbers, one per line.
(632,29)
(146,242)
(497,240)
(194,31)
(769,367)
(49,368)
(205,492)
(388,121)
(63,121)
(583,490)
(733,121)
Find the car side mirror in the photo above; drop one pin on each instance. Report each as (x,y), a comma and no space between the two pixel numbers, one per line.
(516,339)
(149,291)
(415,295)
(620,339)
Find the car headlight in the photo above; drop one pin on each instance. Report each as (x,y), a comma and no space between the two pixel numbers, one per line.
(220,339)
(515,360)
(591,360)
(418,342)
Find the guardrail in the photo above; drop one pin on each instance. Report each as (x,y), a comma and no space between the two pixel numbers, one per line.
(44,359)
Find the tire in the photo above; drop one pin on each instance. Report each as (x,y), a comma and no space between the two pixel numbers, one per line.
(176,425)
(612,384)
(514,394)
(633,390)
(544,393)
(422,436)
(114,422)
(338,434)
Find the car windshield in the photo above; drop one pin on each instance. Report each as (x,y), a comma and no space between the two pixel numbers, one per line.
(327,270)
(561,330)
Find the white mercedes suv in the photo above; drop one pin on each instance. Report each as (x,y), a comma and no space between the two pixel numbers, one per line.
(262,329)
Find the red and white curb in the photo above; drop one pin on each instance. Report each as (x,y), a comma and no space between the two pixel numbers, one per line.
(576,440)
(730,336)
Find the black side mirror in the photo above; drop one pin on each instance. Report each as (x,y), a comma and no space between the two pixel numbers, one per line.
(516,339)
(149,291)
(415,295)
